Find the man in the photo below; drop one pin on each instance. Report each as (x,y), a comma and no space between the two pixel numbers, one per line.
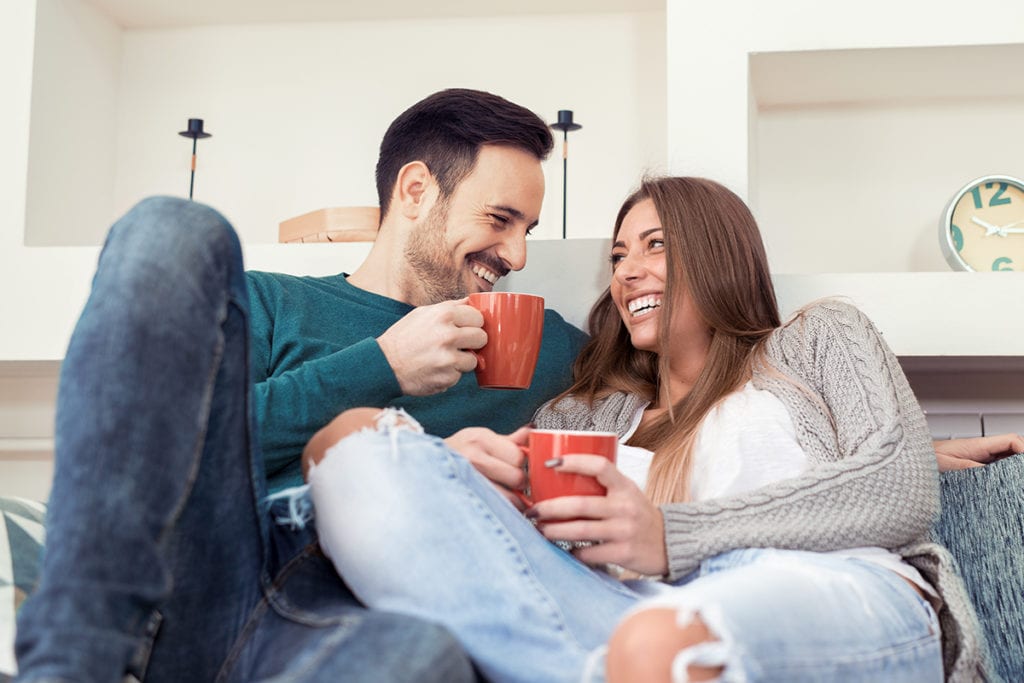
(164,559)
(456,211)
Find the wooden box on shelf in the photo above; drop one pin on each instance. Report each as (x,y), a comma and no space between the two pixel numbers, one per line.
(336,224)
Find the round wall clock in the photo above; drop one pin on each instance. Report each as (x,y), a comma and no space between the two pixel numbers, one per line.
(982,227)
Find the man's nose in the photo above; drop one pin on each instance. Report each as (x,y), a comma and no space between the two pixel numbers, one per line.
(513,251)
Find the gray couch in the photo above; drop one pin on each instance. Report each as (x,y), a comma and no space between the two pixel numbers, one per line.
(982,523)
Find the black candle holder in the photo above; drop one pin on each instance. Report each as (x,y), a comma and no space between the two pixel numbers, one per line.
(195,131)
(565,124)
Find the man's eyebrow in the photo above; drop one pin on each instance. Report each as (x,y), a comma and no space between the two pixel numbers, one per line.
(643,235)
(515,213)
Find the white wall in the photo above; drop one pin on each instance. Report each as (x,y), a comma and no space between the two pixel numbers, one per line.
(855,188)
(297,111)
(74,123)
(710,45)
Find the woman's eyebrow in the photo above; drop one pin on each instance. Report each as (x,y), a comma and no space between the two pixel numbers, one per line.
(644,234)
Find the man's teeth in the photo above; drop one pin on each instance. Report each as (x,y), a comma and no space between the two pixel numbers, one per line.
(485,274)
(643,304)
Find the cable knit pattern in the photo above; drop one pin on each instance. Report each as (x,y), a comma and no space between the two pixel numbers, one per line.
(873,479)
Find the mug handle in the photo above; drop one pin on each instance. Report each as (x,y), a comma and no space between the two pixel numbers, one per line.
(526,470)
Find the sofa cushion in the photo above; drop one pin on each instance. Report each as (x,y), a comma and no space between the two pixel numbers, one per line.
(982,524)
(21,542)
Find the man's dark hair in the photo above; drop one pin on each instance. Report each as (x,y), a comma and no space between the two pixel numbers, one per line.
(446,130)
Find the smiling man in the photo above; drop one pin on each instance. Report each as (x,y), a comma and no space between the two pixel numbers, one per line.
(460,185)
(190,388)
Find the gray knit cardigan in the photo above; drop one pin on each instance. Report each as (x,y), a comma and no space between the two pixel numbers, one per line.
(873,479)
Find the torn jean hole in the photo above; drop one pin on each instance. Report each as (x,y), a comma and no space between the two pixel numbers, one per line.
(300,506)
(719,651)
(388,421)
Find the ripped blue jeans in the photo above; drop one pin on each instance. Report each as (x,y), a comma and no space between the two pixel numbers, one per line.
(161,562)
(415,529)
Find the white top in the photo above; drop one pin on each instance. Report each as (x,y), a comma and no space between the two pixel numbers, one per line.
(748,440)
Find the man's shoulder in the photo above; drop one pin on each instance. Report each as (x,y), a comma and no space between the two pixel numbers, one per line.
(555,324)
(273,285)
(269,279)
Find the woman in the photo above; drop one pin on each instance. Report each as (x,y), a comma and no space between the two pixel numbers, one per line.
(767,521)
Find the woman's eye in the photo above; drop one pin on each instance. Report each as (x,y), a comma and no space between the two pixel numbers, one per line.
(615,259)
(656,243)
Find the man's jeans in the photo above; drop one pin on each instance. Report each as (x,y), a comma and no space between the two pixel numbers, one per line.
(162,560)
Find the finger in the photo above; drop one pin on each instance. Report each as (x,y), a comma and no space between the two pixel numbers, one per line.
(521,436)
(571,507)
(1011,443)
(948,463)
(464,315)
(519,501)
(469,338)
(576,530)
(600,553)
(465,361)
(500,472)
(503,448)
(597,466)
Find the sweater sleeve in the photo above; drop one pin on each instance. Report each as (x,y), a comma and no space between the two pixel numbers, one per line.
(291,406)
(873,479)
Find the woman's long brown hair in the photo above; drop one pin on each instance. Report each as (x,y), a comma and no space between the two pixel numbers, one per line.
(715,256)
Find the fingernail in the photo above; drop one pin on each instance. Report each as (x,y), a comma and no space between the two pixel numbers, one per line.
(531,513)
(531,425)
(553,462)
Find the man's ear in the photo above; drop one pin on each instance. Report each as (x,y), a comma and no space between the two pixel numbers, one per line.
(415,190)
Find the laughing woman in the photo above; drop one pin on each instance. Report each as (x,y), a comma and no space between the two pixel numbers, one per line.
(768,519)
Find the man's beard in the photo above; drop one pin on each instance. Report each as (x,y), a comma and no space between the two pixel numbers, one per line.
(432,275)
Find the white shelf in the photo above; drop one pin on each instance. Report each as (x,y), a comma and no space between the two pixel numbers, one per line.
(926,314)
(920,314)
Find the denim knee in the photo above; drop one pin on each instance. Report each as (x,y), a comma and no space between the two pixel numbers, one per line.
(167,243)
(395,449)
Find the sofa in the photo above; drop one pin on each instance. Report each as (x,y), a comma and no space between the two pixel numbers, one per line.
(982,523)
(982,520)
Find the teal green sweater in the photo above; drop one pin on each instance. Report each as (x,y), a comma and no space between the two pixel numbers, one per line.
(315,354)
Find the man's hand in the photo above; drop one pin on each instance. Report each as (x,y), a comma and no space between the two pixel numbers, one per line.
(959,454)
(429,348)
(498,457)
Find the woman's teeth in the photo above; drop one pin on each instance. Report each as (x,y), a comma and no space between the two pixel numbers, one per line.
(643,304)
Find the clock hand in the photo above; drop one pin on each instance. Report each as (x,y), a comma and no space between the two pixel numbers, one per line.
(1010,225)
(989,228)
(1004,231)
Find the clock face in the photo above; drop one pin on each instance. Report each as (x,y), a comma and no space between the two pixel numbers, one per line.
(983,226)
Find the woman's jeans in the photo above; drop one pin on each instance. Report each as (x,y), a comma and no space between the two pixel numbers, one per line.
(160,560)
(439,542)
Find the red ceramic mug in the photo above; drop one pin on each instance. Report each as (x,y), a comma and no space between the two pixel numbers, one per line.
(514,324)
(545,444)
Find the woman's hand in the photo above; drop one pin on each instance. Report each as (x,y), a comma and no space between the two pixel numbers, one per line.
(959,454)
(628,528)
(498,457)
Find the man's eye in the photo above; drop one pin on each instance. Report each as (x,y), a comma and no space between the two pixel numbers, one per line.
(498,218)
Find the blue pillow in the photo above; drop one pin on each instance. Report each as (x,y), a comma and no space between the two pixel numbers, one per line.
(982,524)
(21,545)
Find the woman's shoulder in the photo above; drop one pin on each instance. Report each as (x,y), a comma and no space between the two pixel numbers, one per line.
(613,412)
(828,311)
(826,318)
